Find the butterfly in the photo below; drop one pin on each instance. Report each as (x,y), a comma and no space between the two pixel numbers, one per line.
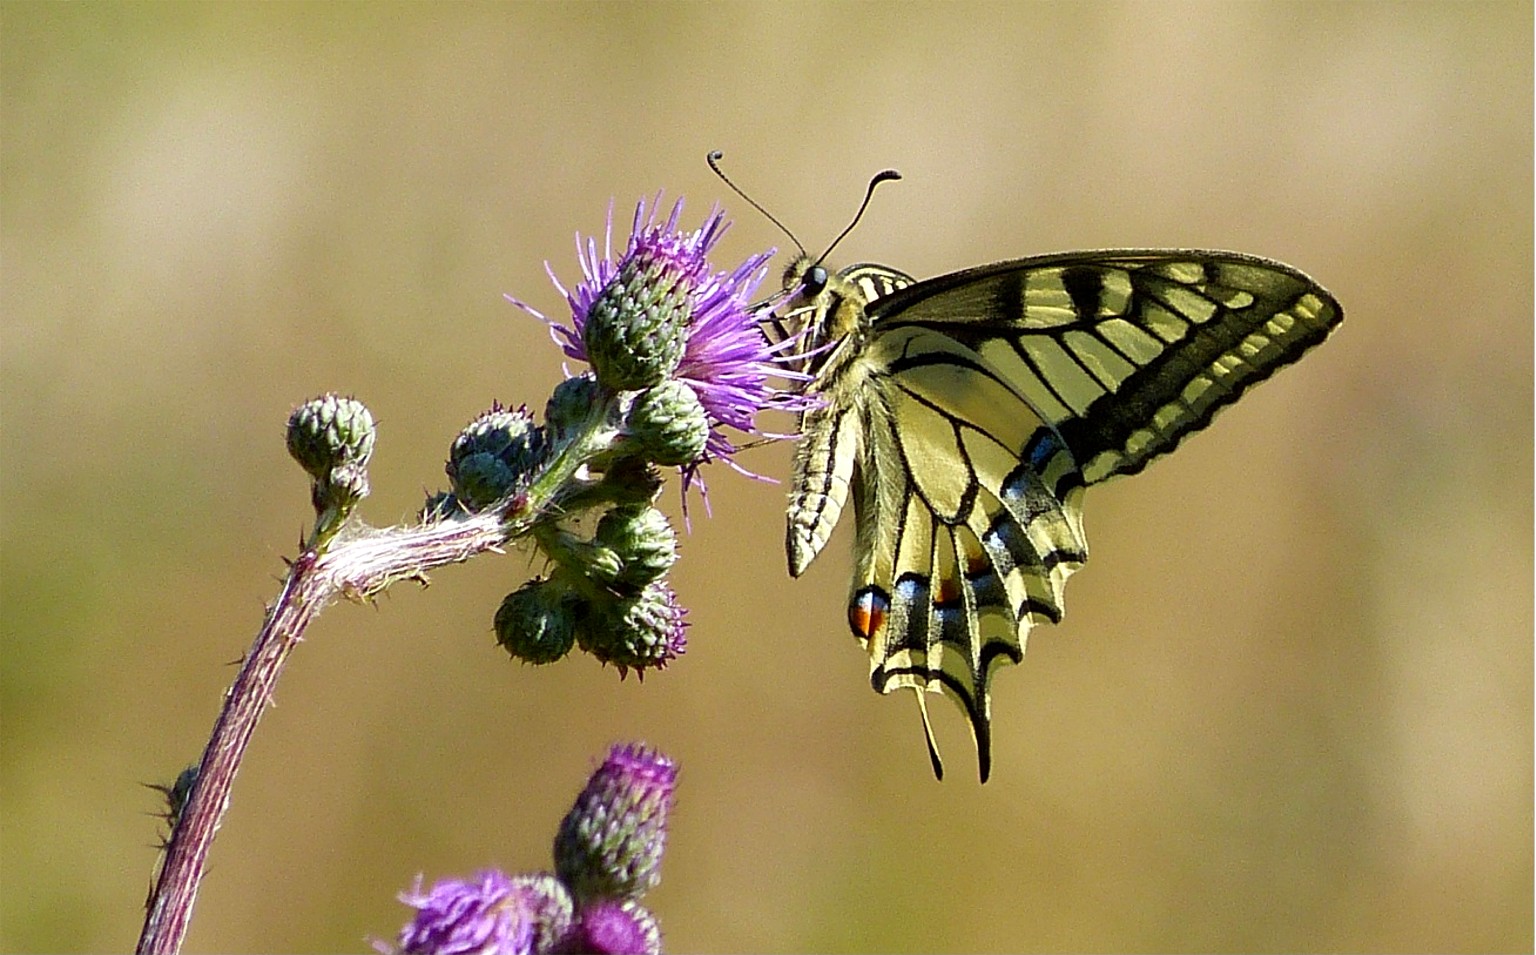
(965,416)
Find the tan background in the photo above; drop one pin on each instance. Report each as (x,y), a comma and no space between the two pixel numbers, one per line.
(1290,707)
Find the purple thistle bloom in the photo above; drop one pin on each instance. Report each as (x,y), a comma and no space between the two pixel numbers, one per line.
(726,359)
(489,916)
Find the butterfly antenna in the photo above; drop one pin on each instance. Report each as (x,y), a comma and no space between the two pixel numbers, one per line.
(884,175)
(714,163)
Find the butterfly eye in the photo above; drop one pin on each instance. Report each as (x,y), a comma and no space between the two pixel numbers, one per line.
(814,282)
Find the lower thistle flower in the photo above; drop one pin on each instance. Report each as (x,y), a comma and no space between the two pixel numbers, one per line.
(486,916)
(614,927)
(611,842)
(607,854)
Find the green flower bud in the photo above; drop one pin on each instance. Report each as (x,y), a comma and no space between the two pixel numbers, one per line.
(494,454)
(481,479)
(642,538)
(506,435)
(636,330)
(331,432)
(332,439)
(669,423)
(640,633)
(573,401)
(536,623)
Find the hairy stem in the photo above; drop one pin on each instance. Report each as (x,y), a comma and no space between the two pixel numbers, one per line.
(358,562)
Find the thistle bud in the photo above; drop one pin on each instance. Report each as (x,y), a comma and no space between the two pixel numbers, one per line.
(330,432)
(636,329)
(494,454)
(642,633)
(669,423)
(642,539)
(611,842)
(536,623)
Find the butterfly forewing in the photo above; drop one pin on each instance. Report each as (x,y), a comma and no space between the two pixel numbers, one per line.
(967,413)
(1124,352)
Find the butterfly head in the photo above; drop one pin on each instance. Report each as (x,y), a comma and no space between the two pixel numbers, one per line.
(826,304)
(806,276)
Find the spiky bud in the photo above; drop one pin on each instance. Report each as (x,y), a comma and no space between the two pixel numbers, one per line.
(331,432)
(536,623)
(636,329)
(642,539)
(644,632)
(669,423)
(332,439)
(494,454)
(610,843)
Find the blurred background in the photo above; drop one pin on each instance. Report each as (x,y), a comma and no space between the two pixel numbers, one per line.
(1290,707)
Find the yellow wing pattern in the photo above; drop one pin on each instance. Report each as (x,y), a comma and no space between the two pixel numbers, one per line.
(967,414)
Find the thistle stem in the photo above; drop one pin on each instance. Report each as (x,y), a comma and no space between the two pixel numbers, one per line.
(358,562)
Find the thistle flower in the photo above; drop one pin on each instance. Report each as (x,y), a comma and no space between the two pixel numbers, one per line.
(610,844)
(688,322)
(486,916)
(607,854)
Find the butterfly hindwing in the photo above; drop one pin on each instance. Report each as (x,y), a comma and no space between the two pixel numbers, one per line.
(966,414)
(963,545)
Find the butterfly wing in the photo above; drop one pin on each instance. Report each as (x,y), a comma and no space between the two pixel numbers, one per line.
(1124,352)
(975,408)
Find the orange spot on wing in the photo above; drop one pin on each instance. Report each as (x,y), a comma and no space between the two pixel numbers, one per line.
(976,563)
(867,614)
